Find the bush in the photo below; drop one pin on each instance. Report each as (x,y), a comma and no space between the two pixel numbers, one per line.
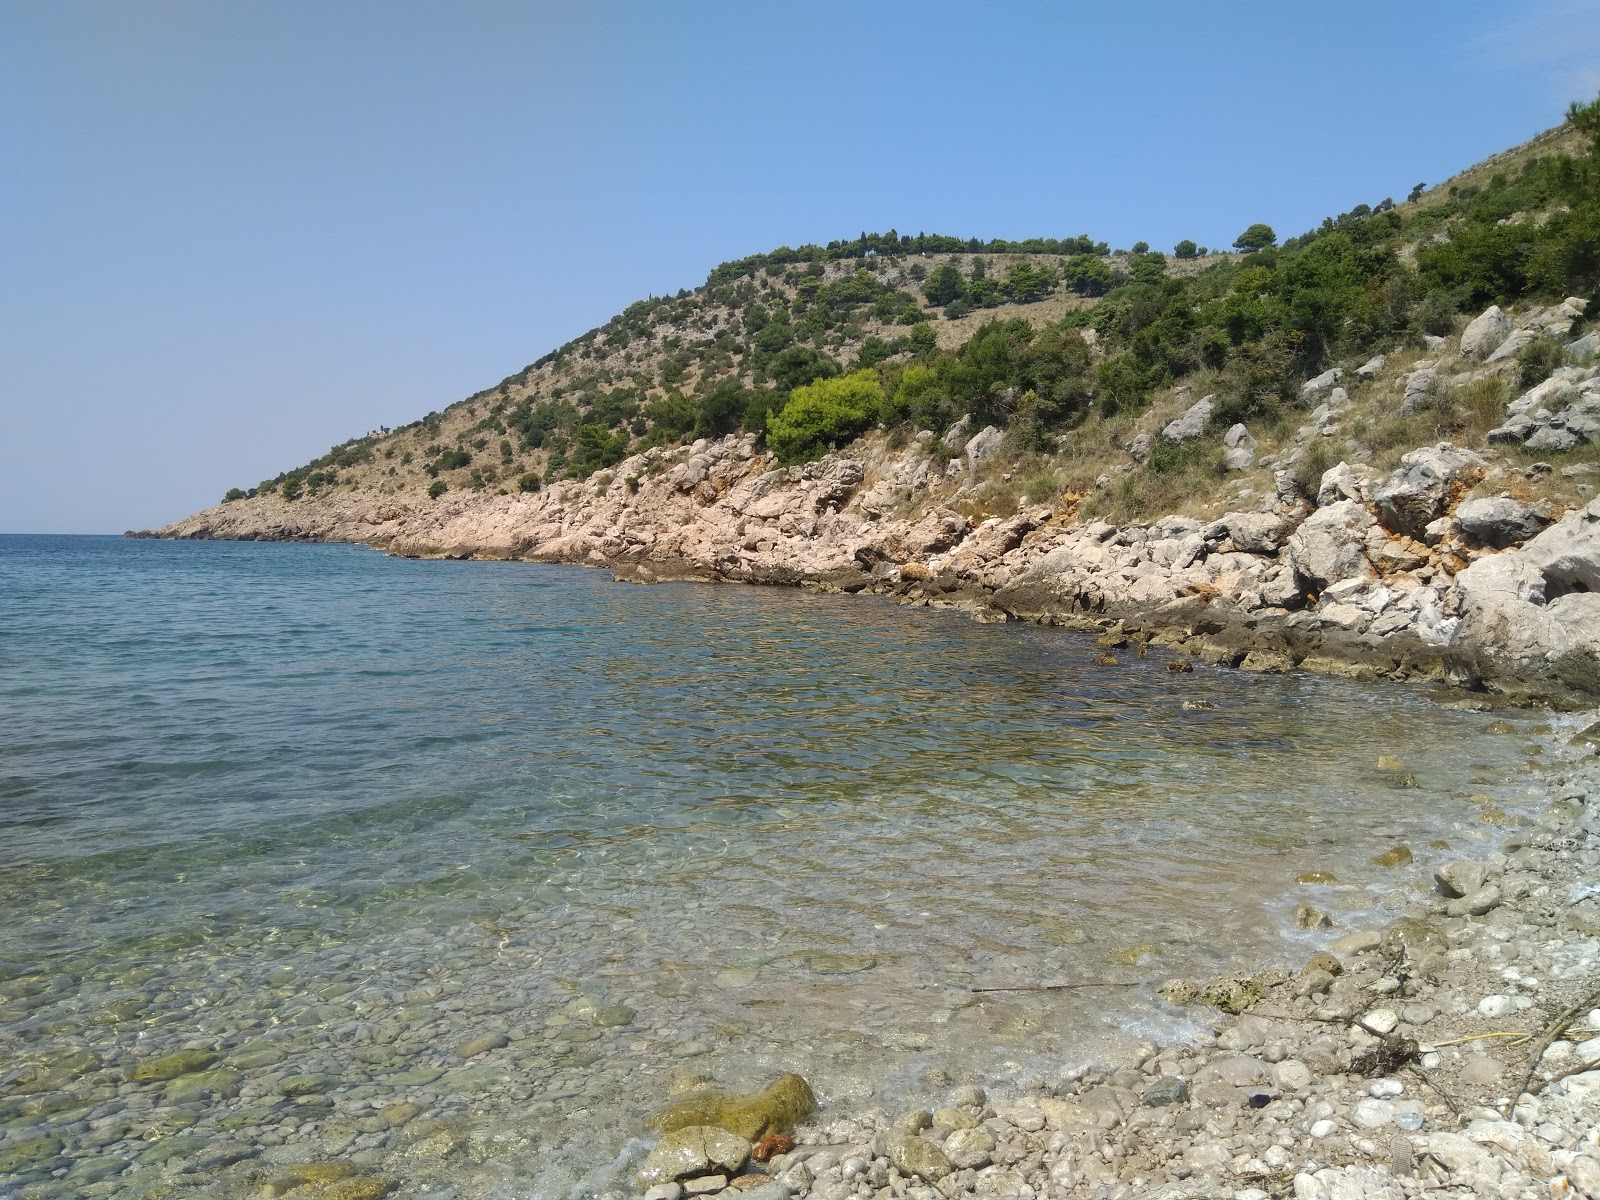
(1537,360)
(234,494)
(1186,249)
(529,482)
(824,414)
(437,488)
(1087,275)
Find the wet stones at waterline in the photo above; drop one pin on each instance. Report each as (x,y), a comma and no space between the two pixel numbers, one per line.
(778,1108)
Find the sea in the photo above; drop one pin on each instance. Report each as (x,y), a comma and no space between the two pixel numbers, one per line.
(454,872)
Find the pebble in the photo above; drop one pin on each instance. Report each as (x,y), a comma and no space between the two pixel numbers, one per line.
(1324,1128)
(1495,1007)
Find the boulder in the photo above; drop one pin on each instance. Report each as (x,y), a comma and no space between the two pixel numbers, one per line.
(1330,545)
(1371,367)
(1254,533)
(1240,452)
(1420,387)
(1313,390)
(777,1109)
(1530,618)
(1485,333)
(1501,521)
(1345,482)
(1420,487)
(1192,424)
(984,445)
(1512,345)
(1584,348)
(1141,447)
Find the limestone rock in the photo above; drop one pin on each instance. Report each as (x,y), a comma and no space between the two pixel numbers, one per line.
(984,445)
(1192,424)
(1462,876)
(1329,546)
(1141,447)
(969,1148)
(1418,490)
(787,1102)
(1313,390)
(918,1157)
(694,1150)
(1485,333)
(1501,521)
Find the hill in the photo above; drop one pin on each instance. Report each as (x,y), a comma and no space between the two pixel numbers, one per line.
(1016,427)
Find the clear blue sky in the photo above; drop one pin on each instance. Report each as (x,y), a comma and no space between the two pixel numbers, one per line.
(234,233)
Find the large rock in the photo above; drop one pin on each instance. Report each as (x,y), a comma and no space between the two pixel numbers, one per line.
(1420,386)
(1255,533)
(1192,424)
(777,1109)
(1420,489)
(984,445)
(1501,521)
(1484,335)
(1345,482)
(1530,618)
(1141,447)
(1330,545)
(1240,451)
(695,1150)
(1313,390)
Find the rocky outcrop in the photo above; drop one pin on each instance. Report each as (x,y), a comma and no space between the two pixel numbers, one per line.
(1372,576)
(1531,617)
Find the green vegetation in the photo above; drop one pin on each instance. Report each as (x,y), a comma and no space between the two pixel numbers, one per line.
(807,348)
(825,414)
(437,488)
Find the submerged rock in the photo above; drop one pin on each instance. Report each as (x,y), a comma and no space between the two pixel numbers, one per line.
(1231,993)
(184,1062)
(777,1109)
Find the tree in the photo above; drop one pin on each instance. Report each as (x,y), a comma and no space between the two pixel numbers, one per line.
(922,341)
(1086,275)
(824,414)
(1257,237)
(800,365)
(437,488)
(944,285)
(1186,249)
(529,482)
(1141,247)
(233,494)
(1416,193)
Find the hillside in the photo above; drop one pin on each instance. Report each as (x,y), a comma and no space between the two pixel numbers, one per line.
(1031,429)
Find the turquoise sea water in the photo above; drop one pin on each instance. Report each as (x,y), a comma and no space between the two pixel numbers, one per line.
(326,814)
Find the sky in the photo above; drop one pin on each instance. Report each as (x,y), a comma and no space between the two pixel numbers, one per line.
(234,234)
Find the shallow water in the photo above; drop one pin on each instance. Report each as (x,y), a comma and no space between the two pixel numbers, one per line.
(334,814)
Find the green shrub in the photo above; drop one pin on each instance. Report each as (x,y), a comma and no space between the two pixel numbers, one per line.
(234,494)
(1537,360)
(437,488)
(823,415)
(529,482)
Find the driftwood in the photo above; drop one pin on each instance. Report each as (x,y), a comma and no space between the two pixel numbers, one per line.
(1552,1030)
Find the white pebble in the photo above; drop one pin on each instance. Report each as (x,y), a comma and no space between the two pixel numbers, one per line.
(1386,1087)
(1381,1020)
(1494,1007)
(1324,1128)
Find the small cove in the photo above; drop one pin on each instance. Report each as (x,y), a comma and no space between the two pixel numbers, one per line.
(333,815)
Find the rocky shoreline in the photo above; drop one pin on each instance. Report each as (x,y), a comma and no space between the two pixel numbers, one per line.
(1454,1052)
(1446,568)
(1393,577)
